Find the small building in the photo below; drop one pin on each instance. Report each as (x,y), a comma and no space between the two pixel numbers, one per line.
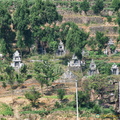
(61,49)
(115,69)
(16,62)
(108,50)
(74,62)
(85,53)
(92,68)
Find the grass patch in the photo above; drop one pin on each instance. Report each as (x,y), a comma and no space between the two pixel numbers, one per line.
(56,97)
(42,112)
(67,108)
(5,109)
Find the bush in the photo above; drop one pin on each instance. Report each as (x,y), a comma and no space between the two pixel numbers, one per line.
(33,95)
(97,109)
(61,94)
(58,105)
(109,18)
(42,112)
(27,108)
(3,119)
(5,109)
(83,98)
(98,7)
(75,9)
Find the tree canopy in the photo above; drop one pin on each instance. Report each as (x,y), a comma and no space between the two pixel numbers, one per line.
(76,40)
(6,34)
(98,7)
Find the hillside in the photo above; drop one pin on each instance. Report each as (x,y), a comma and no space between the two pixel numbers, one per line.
(45,46)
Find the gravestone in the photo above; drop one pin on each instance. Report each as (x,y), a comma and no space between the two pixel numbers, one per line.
(61,49)
(108,50)
(115,69)
(16,62)
(93,69)
(85,53)
(74,62)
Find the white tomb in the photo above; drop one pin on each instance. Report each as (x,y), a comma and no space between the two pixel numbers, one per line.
(16,62)
(75,62)
(61,48)
(108,50)
(115,69)
(93,69)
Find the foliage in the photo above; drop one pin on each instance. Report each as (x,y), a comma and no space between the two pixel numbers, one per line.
(33,96)
(61,94)
(98,7)
(27,108)
(23,69)
(97,109)
(5,109)
(83,98)
(76,40)
(46,72)
(42,112)
(118,18)
(10,75)
(21,19)
(6,34)
(116,5)
(85,6)
(42,13)
(4,85)
(75,9)
(58,105)
(109,19)
(101,41)
(98,83)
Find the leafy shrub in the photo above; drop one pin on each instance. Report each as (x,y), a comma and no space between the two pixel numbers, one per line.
(97,109)
(61,93)
(83,98)
(5,109)
(58,105)
(75,9)
(72,104)
(3,119)
(29,76)
(33,95)
(27,108)
(42,112)
(109,18)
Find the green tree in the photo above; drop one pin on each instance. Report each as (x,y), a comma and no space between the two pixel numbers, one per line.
(50,37)
(75,8)
(10,75)
(76,40)
(83,98)
(20,79)
(6,34)
(23,69)
(4,85)
(33,96)
(46,72)
(116,5)
(42,12)
(98,7)
(101,40)
(21,19)
(61,94)
(99,83)
(85,6)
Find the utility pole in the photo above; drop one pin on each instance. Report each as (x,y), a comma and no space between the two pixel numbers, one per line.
(76,99)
